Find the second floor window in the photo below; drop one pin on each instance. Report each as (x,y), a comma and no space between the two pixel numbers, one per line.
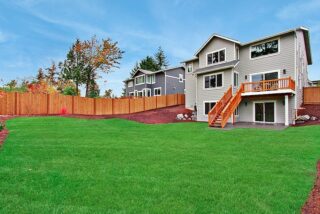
(216,57)
(139,80)
(263,49)
(130,84)
(213,81)
(151,79)
(235,79)
(190,68)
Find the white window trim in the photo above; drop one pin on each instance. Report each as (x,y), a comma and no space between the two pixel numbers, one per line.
(138,77)
(154,80)
(266,72)
(269,55)
(190,64)
(225,56)
(180,78)
(135,93)
(132,83)
(204,81)
(236,72)
(204,105)
(140,92)
(145,91)
(154,91)
(264,101)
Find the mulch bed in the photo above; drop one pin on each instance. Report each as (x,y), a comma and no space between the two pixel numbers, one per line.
(4,133)
(312,206)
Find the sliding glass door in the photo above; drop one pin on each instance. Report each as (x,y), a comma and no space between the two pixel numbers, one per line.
(264,112)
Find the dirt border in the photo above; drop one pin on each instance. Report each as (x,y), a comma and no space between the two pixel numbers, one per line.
(312,205)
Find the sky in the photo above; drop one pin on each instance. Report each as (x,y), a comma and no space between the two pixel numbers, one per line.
(33,33)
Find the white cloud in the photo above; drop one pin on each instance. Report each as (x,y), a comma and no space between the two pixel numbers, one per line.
(299,9)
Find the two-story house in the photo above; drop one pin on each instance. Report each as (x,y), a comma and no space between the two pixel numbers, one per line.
(156,83)
(259,81)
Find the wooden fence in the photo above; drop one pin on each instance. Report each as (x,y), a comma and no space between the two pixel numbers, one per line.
(311,95)
(52,104)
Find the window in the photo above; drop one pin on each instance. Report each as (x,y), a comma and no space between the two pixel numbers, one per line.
(147,92)
(263,49)
(180,77)
(235,79)
(213,81)
(157,91)
(130,84)
(151,79)
(131,94)
(265,76)
(140,93)
(139,80)
(190,68)
(236,112)
(215,57)
(135,93)
(208,105)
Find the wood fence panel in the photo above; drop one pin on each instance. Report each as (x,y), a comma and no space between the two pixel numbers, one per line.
(138,105)
(30,103)
(150,103)
(57,102)
(311,95)
(172,99)
(8,104)
(103,106)
(83,105)
(121,106)
(161,101)
(181,99)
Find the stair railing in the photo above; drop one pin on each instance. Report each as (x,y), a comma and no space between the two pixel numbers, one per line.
(219,106)
(231,107)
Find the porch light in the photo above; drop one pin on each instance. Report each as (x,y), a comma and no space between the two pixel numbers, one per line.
(246,77)
(284,71)
(246,103)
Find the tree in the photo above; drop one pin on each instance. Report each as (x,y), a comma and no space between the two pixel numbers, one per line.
(70,90)
(108,93)
(73,68)
(161,59)
(149,64)
(99,56)
(51,76)
(134,69)
(12,84)
(40,76)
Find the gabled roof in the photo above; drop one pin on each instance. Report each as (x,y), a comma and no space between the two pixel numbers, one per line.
(218,67)
(303,29)
(153,72)
(212,37)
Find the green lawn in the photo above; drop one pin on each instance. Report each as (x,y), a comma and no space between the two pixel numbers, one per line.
(63,165)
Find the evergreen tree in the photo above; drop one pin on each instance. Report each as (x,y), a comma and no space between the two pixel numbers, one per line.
(40,76)
(161,59)
(51,76)
(149,64)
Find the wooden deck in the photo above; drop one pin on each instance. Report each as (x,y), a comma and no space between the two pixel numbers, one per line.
(269,85)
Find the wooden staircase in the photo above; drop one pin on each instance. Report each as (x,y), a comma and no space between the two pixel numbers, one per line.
(224,108)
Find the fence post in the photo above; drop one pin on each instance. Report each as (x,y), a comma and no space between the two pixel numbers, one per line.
(177,99)
(144,103)
(112,107)
(48,103)
(16,103)
(72,107)
(94,106)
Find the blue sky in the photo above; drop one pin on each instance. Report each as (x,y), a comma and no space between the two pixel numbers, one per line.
(35,32)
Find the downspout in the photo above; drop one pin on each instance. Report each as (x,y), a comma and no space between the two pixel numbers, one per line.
(165,83)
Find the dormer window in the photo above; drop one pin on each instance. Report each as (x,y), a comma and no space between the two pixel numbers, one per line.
(216,57)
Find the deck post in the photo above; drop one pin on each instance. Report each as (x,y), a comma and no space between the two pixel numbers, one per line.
(286,106)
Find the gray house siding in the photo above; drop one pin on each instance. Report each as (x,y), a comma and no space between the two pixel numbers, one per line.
(213,95)
(190,85)
(217,44)
(172,84)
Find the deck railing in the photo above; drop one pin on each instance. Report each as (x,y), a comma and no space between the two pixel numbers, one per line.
(269,85)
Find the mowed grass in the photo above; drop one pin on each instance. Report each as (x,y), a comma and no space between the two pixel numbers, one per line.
(63,165)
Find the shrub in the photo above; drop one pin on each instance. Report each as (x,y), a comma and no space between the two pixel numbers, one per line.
(2,126)
(69,90)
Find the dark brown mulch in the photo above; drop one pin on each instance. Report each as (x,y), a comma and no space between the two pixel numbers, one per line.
(312,206)
(158,116)
(4,133)
(312,110)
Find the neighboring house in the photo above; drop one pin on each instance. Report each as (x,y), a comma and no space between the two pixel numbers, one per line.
(259,81)
(314,83)
(156,83)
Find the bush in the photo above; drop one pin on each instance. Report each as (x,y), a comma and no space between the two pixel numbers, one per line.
(2,126)
(69,90)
